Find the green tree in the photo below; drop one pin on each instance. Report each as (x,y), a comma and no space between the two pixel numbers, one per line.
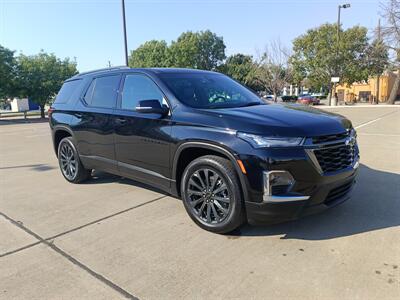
(199,50)
(41,76)
(274,71)
(317,57)
(7,72)
(241,68)
(377,60)
(151,54)
(391,35)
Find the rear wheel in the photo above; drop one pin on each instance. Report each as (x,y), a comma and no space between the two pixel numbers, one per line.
(211,194)
(70,164)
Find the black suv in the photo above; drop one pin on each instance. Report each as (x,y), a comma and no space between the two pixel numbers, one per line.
(204,137)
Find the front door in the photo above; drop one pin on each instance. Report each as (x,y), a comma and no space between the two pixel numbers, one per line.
(142,141)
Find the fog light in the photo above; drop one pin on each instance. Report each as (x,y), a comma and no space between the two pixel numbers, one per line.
(277,183)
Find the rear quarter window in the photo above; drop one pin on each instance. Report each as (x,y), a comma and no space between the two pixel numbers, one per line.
(68,91)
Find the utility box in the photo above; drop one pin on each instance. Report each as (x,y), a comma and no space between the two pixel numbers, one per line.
(19,105)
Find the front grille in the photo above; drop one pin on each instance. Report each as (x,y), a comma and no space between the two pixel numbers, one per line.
(329,138)
(338,192)
(335,158)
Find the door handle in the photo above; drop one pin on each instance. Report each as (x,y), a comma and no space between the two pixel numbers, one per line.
(120,121)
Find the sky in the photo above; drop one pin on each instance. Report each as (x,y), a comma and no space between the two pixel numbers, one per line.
(91,31)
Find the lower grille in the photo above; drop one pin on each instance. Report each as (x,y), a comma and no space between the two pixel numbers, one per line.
(338,192)
(280,189)
(335,158)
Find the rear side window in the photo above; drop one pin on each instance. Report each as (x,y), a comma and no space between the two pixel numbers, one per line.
(68,91)
(102,92)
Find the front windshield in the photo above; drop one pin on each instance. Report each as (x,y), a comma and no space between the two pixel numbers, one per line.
(209,90)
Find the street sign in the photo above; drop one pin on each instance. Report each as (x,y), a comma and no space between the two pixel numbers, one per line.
(335,79)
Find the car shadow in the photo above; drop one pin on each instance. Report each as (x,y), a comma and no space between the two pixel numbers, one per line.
(374,205)
(99,177)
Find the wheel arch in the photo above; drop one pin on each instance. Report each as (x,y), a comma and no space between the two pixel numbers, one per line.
(205,148)
(60,132)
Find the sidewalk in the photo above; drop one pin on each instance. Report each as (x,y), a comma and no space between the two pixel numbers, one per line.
(19,119)
(324,103)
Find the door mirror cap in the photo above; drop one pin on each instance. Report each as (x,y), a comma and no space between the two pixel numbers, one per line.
(152,107)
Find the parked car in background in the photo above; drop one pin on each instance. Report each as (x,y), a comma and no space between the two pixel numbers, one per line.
(319,95)
(292,98)
(205,138)
(268,97)
(307,99)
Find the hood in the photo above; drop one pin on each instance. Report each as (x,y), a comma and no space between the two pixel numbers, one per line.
(276,120)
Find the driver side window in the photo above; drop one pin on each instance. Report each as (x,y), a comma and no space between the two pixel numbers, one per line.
(137,88)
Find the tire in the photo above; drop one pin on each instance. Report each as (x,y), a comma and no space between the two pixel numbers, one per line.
(221,208)
(70,165)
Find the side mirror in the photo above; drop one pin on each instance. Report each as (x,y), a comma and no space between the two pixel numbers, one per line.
(152,107)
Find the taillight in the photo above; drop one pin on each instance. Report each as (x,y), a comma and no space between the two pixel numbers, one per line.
(50,112)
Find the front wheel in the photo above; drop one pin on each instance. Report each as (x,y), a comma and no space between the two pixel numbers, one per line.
(211,194)
(70,164)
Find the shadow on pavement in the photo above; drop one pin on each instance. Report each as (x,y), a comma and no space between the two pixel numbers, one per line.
(374,205)
(35,167)
(13,121)
(99,177)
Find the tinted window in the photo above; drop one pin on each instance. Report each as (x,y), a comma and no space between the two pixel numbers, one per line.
(209,90)
(68,90)
(137,88)
(102,91)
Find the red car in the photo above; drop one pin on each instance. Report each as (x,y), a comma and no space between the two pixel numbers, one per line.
(307,99)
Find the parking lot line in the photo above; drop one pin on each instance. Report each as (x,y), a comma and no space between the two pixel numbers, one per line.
(105,218)
(378,134)
(79,227)
(20,249)
(375,120)
(71,258)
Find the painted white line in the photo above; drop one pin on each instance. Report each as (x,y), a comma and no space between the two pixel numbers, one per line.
(377,134)
(396,106)
(370,122)
(375,120)
(37,135)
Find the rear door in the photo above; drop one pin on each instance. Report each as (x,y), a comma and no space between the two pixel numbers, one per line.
(93,125)
(142,141)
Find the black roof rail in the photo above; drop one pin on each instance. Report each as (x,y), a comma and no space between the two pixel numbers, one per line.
(100,70)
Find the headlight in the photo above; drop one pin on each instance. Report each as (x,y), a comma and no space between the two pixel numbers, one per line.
(258,141)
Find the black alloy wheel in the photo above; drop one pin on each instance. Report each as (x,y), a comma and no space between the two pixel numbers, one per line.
(70,164)
(211,194)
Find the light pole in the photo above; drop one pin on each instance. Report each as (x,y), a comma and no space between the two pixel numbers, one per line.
(337,44)
(125,39)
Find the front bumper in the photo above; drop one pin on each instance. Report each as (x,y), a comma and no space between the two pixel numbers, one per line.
(313,191)
(282,209)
